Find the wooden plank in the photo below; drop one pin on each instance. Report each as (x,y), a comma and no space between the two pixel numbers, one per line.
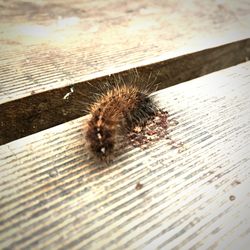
(53,196)
(37,112)
(48,46)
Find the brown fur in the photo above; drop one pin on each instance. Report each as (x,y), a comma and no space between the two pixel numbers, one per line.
(114,114)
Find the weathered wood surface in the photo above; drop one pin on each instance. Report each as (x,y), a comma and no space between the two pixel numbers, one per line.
(51,45)
(194,196)
(34,113)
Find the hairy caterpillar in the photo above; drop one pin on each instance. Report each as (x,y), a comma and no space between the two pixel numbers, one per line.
(115,113)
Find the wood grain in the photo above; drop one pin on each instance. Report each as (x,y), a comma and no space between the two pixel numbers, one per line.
(49,46)
(37,112)
(195,195)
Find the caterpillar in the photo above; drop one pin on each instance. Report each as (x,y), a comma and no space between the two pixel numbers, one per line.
(114,114)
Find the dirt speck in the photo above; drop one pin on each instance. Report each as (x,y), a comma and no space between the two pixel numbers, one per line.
(235,183)
(138,186)
(232,197)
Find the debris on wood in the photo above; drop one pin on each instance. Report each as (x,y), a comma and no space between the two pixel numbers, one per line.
(154,130)
(138,186)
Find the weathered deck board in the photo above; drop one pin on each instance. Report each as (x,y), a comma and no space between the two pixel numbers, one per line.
(52,196)
(37,112)
(52,45)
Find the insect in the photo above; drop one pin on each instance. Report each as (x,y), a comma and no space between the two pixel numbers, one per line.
(114,114)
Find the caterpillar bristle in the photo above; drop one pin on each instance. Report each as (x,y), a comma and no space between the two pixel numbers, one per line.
(113,114)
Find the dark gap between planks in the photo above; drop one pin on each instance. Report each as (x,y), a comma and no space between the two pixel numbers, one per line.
(41,111)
